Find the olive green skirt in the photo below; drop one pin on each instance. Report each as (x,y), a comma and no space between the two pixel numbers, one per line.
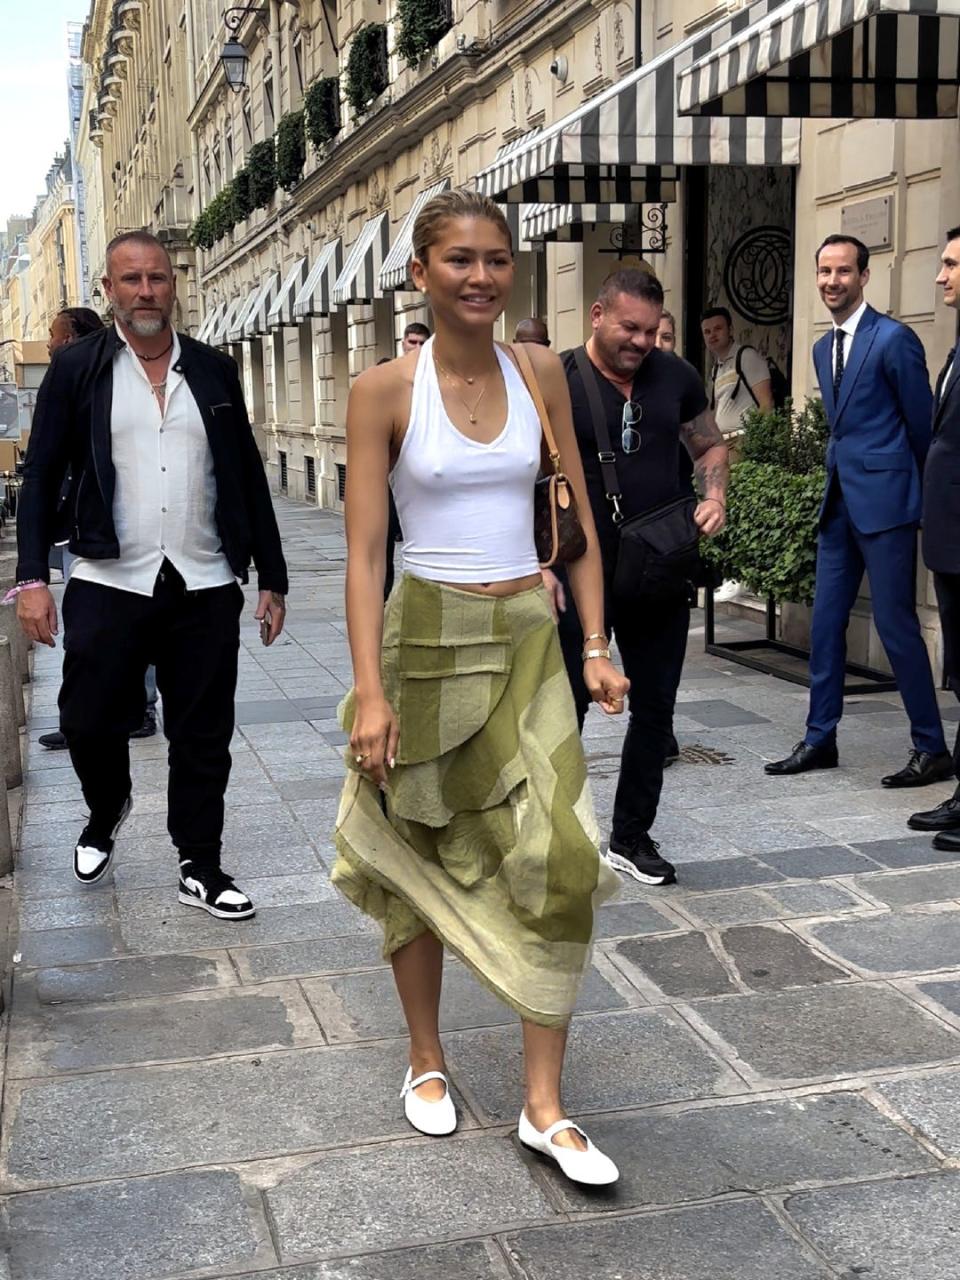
(485,834)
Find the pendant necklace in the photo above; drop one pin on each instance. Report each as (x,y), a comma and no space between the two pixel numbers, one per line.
(471,410)
(164,352)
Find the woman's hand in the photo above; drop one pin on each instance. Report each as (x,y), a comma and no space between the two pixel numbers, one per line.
(554,589)
(376,733)
(606,685)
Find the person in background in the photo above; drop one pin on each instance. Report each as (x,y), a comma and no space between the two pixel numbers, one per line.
(876,394)
(68,325)
(667,333)
(414,335)
(532,330)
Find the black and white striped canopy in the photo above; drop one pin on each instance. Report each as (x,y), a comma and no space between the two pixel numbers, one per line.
(625,145)
(567,221)
(834,58)
(281,310)
(255,324)
(315,296)
(395,273)
(359,281)
(210,322)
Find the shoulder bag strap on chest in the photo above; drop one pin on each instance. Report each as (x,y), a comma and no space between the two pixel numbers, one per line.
(605,452)
(533,386)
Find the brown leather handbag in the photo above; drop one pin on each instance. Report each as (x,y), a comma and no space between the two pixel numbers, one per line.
(557,532)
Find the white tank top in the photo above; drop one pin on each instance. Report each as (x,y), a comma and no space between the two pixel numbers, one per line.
(466,509)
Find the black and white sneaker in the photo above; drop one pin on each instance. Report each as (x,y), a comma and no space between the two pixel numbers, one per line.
(642,861)
(214,891)
(94,850)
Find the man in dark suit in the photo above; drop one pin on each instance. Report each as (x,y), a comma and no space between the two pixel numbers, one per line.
(876,392)
(941,534)
(167,505)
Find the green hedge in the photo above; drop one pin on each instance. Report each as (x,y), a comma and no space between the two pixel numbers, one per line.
(291,150)
(420,26)
(322,104)
(262,168)
(365,75)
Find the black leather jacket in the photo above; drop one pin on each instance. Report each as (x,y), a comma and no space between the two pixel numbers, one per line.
(71,435)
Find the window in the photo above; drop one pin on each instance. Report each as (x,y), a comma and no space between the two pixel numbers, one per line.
(269,119)
(247,124)
(283,471)
(311,470)
(341,481)
(228,149)
(298,68)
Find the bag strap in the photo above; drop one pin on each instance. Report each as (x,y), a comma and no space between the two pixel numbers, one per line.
(741,380)
(533,386)
(605,452)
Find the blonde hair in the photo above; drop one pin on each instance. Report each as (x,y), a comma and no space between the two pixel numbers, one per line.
(458,203)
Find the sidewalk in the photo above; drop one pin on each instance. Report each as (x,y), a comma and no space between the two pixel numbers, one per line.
(770,1050)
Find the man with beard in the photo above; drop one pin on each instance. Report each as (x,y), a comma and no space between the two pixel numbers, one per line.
(876,393)
(653,403)
(169,503)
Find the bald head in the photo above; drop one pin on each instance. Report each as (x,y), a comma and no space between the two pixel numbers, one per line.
(532,330)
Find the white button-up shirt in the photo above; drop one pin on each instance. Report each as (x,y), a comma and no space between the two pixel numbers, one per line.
(166,492)
(849,328)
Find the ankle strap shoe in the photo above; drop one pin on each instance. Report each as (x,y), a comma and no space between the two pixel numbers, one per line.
(591,1167)
(436,1119)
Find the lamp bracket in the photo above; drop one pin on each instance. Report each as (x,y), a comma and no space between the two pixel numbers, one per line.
(233,18)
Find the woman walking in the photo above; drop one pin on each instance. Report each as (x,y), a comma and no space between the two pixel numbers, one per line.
(466,818)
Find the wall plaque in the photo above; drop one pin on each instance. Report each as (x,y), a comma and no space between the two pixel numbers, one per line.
(870,221)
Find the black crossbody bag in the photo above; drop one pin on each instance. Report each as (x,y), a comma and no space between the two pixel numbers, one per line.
(659,549)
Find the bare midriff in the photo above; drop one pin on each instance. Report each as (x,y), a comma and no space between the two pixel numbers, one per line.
(509,587)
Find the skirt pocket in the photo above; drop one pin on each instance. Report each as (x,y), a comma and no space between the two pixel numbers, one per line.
(445,694)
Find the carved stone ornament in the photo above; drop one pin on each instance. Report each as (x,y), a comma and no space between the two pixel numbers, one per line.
(377,193)
(435,159)
(513,104)
(619,37)
(528,93)
(598,50)
(335,221)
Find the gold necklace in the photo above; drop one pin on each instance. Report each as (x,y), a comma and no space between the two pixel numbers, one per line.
(471,411)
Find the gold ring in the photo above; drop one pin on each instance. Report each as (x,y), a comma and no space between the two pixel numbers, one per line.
(360,759)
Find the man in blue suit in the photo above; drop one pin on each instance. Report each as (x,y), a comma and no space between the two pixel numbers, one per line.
(876,391)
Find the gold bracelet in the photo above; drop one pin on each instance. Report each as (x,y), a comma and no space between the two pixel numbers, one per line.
(595,635)
(595,653)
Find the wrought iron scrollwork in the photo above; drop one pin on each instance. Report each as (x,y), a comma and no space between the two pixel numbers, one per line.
(647,235)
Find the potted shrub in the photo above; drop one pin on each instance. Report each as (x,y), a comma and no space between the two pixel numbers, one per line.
(365,75)
(421,24)
(291,150)
(322,105)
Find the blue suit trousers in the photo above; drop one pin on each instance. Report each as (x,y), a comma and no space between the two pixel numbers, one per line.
(889,558)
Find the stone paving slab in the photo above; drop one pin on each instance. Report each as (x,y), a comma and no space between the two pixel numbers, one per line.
(130,979)
(886,1230)
(932,1104)
(465,1260)
(145,1229)
(894,943)
(190,929)
(739,1241)
(939,885)
(308,959)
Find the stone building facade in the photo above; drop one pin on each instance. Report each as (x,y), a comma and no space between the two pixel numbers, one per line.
(54,250)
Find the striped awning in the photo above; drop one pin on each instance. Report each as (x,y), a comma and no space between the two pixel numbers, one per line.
(359,281)
(625,145)
(255,323)
(567,221)
(210,321)
(315,297)
(834,58)
(220,333)
(235,328)
(281,310)
(395,273)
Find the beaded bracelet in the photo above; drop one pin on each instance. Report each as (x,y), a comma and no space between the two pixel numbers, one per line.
(22,586)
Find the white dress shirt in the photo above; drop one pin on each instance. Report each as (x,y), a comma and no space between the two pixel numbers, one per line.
(166,492)
(849,328)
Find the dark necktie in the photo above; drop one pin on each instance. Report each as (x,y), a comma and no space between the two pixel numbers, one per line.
(838,337)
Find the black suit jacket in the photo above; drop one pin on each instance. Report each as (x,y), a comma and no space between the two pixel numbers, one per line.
(941,480)
(71,434)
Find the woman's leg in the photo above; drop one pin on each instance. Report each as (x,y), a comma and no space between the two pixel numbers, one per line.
(543,1050)
(418,973)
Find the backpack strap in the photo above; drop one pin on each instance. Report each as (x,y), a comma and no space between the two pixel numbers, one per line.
(608,469)
(741,380)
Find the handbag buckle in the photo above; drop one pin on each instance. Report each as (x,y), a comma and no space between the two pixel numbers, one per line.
(606,458)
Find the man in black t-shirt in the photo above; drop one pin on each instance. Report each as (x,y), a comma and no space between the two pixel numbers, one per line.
(654,403)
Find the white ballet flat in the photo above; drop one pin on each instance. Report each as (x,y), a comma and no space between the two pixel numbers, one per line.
(590,1167)
(434,1118)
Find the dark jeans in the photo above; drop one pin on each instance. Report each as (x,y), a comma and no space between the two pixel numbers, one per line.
(394,535)
(948,599)
(193,638)
(652,639)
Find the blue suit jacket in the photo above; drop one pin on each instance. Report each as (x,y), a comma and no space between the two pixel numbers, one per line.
(880,428)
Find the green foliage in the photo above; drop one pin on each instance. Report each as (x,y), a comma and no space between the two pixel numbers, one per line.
(201,233)
(262,170)
(222,214)
(420,26)
(242,198)
(770,539)
(322,103)
(291,150)
(365,75)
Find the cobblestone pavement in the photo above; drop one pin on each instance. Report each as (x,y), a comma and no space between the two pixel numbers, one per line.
(770,1050)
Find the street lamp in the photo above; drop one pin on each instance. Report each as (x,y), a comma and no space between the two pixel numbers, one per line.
(96,295)
(234,57)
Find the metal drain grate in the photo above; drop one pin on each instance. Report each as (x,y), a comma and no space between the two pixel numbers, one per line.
(696,754)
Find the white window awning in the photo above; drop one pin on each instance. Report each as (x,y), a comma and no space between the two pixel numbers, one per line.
(567,221)
(234,328)
(834,58)
(625,145)
(395,273)
(255,323)
(281,309)
(219,333)
(210,322)
(315,297)
(359,281)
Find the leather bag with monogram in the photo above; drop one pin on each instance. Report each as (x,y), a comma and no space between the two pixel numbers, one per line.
(557,532)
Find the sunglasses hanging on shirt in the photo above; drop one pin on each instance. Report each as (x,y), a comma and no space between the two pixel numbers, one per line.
(630,426)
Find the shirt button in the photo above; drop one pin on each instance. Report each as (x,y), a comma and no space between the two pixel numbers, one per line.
(162,547)
(163,509)
(163,468)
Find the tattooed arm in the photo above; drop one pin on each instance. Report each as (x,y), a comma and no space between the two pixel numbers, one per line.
(702,440)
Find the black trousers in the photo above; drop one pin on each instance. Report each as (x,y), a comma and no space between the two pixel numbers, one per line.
(947,586)
(652,639)
(193,639)
(394,534)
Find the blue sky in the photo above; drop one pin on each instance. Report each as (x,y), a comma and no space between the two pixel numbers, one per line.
(33,95)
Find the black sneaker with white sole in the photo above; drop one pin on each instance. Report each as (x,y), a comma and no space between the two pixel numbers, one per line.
(214,891)
(642,861)
(94,850)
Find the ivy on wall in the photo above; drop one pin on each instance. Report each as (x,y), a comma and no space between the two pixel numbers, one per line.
(291,150)
(365,75)
(420,26)
(322,106)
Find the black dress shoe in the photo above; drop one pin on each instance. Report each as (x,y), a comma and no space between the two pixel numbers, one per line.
(149,726)
(945,817)
(947,841)
(804,757)
(53,741)
(921,769)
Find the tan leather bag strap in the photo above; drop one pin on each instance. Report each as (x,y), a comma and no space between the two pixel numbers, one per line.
(533,386)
